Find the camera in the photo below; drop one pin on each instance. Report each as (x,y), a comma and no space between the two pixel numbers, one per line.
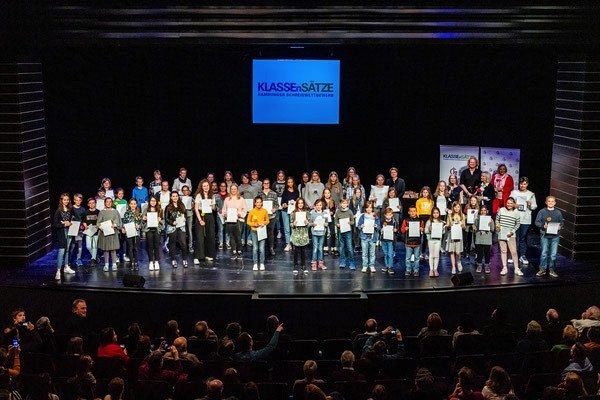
(166,347)
(393,332)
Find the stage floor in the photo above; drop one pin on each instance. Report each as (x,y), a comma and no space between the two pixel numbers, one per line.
(230,276)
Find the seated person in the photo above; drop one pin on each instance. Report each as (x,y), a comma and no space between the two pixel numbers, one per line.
(347,373)
(310,372)
(203,332)
(109,347)
(579,361)
(465,388)
(84,382)
(589,318)
(152,368)
(246,353)
(433,328)
(553,329)
(533,340)
(569,338)
(181,345)
(498,386)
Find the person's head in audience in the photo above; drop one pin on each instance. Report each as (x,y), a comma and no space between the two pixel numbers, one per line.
(155,361)
(434,322)
(466,323)
(226,348)
(84,365)
(231,377)
(250,391)
(214,389)
(18,316)
(79,308)
(41,387)
(592,312)
(134,331)
(347,359)
(75,346)
(43,325)
(180,344)
(552,315)
(466,380)
(499,381)
(144,346)
(593,334)
(570,334)
(552,393)
(534,330)
(310,370)
(272,324)
(233,331)
(424,380)
(107,336)
(244,342)
(201,330)
(371,326)
(313,392)
(573,386)
(171,331)
(116,386)
(578,352)
(379,393)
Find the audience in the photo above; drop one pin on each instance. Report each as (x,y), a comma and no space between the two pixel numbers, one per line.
(465,388)
(569,337)
(116,387)
(589,318)
(433,328)
(152,368)
(181,345)
(593,336)
(359,340)
(203,332)
(425,388)
(533,340)
(347,373)
(46,333)
(572,386)
(498,386)
(579,361)
(109,347)
(466,327)
(78,323)
(83,383)
(245,343)
(75,346)
(553,329)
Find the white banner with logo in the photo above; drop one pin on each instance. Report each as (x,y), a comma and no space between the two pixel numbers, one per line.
(491,157)
(453,159)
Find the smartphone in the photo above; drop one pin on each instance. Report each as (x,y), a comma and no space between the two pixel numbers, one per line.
(167,347)
(25,324)
(15,343)
(393,332)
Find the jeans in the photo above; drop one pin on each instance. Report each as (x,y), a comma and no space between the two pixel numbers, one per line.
(549,249)
(414,265)
(388,252)
(317,242)
(368,253)
(286,226)
(91,243)
(63,254)
(346,249)
(258,247)
(522,239)
(220,230)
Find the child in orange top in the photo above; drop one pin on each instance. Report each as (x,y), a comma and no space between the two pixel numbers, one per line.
(424,205)
(258,218)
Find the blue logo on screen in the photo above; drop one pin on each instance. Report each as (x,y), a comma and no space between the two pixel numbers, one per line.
(295,91)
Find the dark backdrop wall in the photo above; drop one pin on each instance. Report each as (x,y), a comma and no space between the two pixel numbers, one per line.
(125,111)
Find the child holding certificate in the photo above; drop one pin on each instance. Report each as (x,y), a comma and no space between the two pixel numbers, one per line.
(507,225)
(434,229)
(357,205)
(132,216)
(388,234)
(344,222)
(318,221)
(204,204)
(288,200)
(525,204)
(109,221)
(392,201)
(330,206)
(550,222)
(455,223)
(369,225)
(258,218)
(90,219)
(175,227)
(78,212)
(471,213)
(152,219)
(484,229)
(234,213)
(61,223)
(424,206)
(299,235)
(120,204)
(412,227)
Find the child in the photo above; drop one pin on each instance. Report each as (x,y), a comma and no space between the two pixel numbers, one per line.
(507,224)
(330,206)
(156,184)
(318,221)
(392,194)
(299,235)
(91,241)
(258,218)
(288,200)
(120,204)
(387,245)
(483,240)
(549,241)
(205,223)
(174,211)
(454,245)
(163,196)
(61,223)
(412,243)
(109,243)
(107,186)
(188,202)
(473,210)
(424,206)
(100,196)
(221,193)
(78,212)
(234,229)
(345,238)
(369,239)
(153,234)
(441,198)
(132,215)
(270,195)
(140,192)
(525,204)
(434,243)
(357,205)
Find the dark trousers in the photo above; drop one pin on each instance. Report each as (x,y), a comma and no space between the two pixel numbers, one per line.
(483,253)
(178,238)
(205,238)
(235,235)
(299,252)
(153,244)
(132,248)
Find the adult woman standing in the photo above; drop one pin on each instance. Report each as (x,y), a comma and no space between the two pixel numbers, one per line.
(314,190)
(109,243)
(503,185)
(470,177)
(174,216)
(485,192)
(61,223)
(288,199)
(234,229)
(205,223)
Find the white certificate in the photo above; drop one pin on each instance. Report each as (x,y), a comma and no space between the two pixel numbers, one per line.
(437,230)
(100,204)
(107,228)
(268,205)
(471,214)
(319,223)
(291,206)
(180,221)
(110,193)
(300,218)
(388,232)
(74,228)
(357,216)
(261,232)
(394,204)
(456,232)
(552,228)
(440,202)
(121,209)
(521,203)
(484,222)
(344,225)
(144,207)
(130,230)
(221,218)
(369,226)
(91,230)
(279,201)
(379,194)
(231,214)
(152,219)
(503,235)
(327,216)
(414,228)
(206,206)
(187,202)
(249,204)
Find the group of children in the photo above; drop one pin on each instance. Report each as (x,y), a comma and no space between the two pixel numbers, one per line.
(339,218)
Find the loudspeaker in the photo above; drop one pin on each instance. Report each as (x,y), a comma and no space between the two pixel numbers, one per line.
(463,279)
(135,281)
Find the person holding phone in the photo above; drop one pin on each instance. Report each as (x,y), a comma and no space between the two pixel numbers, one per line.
(28,338)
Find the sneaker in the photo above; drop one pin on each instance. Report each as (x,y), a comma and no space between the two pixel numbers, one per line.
(262,267)
(384,270)
(68,270)
(431,275)
(541,272)
(78,262)
(228,245)
(416,274)
(412,258)
(272,251)
(196,261)
(504,271)
(363,270)
(390,271)
(487,268)
(421,257)
(126,259)
(407,274)
(518,271)
(553,274)
(249,242)
(426,257)
(255,267)
(322,265)
(436,273)
(209,258)
(372,269)
(105,269)
(57,276)
(151,266)
(220,246)
(352,266)
(342,264)
(510,261)
(453,270)
(288,247)
(459,267)
(478,268)
(313,265)
(114,267)
(305,271)
(295,271)
(185,264)
(156,265)
(278,235)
